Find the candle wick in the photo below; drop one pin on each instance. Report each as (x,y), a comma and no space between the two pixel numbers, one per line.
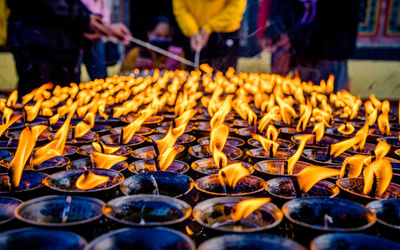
(66,209)
(296,186)
(327,220)
(121,137)
(328,153)
(153,180)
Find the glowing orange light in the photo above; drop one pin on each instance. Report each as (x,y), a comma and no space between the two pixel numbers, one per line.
(383,119)
(382,169)
(266,144)
(305,112)
(247,207)
(303,139)
(232,174)
(103,148)
(89,180)
(354,165)
(5,126)
(218,138)
(12,99)
(346,128)
(310,175)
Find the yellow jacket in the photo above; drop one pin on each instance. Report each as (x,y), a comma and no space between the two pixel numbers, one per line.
(211,15)
(4,12)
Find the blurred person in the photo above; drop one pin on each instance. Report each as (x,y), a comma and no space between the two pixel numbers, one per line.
(313,38)
(94,47)
(160,35)
(212,28)
(4,12)
(45,37)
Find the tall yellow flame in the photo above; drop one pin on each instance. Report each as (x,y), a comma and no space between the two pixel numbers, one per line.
(266,144)
(106,161)
(232,174)
(303,139)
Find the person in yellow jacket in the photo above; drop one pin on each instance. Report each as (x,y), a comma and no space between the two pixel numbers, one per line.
(212,27)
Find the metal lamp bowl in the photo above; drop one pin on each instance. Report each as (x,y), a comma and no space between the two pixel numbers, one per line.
(36,238)
(347,216)
(203,151)
(7,209)
(64,181)
(87,163)
(48,211)
(142,238)
(145,210)
(147,165)
(168,183)
(207,166)
(216,212)
(250,241)
(352,241)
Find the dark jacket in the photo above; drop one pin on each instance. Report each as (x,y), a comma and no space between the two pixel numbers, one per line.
(53,28)
(331,35)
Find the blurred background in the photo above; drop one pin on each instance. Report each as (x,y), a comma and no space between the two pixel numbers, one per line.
(373,68)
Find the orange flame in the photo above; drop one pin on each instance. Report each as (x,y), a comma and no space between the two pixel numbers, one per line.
(12,99)
(7,113)
(54,119)
(354,165)
(55,147)
(357,142)
(167,158)
(130,130)
(219,116)
(310,175)
(303,139)
(287,111)
(319,130)
(383,119)
(272,133)
(32,111)
(26,144)
(232,174)
(90,180)
(382,169)
(273,114)
(218,138)
(247,207)
(5,126)
(266,144)
(305,112)
(103,148)
(81,129)
(346,128)
(106,161)
(381,150)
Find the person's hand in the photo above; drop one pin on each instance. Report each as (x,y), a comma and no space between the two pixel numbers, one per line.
(92,36)
(144,63)
(96,25)
(205,36)
(120,31)
(196,42)
(265,43)
(281,62)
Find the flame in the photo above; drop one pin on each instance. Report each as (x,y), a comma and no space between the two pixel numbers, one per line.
(310,175)
(32,111)
(7,113)
(381,150)
(382,169)
(383,119)
(26,144)
(218,138)
(81,129)
(247,207)
(103,148)
(106,161)
(232,174)
(130,130)
(5,126)
(303,139)
(346,128)
(357,142)
(55,147)
(319,130)
(185,117)
(273,114)
(167,158)
(272,133)
(354,165)
(54,119)
(12,99)
(287,111)
(305,112)
(90,180)
(266,144)
(38,130)
(219,116)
